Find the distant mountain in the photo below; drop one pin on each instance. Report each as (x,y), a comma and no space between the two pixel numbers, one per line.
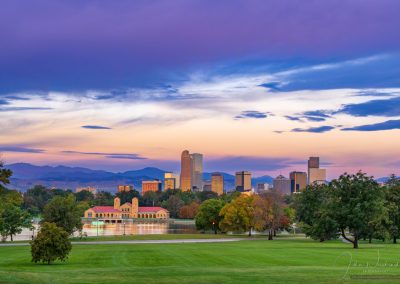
(262,179)
(26,175)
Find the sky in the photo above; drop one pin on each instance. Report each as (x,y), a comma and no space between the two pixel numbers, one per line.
(253,85)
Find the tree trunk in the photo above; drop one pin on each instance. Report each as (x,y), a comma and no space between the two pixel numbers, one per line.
(250,232)
(321,240)
(11,237)
(215,231)
(394,240)
(270,235)
(274,233)
(355,243)
(370,239)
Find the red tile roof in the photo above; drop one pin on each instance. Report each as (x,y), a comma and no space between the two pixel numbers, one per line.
(105,209)
(150,209)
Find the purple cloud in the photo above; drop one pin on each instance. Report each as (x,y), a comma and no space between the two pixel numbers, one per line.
(252,114)
(387,125)
(20,149)
(60,45)
(319,129)
(95,127)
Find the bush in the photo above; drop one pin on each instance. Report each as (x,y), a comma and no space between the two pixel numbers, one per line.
(50,244)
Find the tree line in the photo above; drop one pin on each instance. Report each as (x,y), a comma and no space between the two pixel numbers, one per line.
(266,212)
(352,207)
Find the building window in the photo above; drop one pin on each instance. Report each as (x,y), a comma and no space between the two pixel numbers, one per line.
(89,215)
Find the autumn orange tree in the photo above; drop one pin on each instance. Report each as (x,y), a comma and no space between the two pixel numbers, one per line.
(238,215)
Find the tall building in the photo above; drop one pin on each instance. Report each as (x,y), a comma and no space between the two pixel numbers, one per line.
(91,189)
(262,187)
(243,181)
(217,183)
(197,171)
(298,181)
(282,184)
(186,171)
(122,188)
(207,185)
(315,174)
(171,181)
(151,185)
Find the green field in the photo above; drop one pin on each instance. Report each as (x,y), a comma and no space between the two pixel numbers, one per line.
(256,261)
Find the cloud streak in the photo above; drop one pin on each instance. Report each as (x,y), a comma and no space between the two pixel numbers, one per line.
(387,125)
(20,149)
(108,155)
(320,129)
(95,127)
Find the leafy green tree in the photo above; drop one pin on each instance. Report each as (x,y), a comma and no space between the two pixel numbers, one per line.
(314,213)
(84,195)
(64,212)
(173,205)
(392,204)
(5,174)
(12,220)
(356,202)
(36,198)
(205,195)
(238,215)
(127,196)
(103,198)
(150,198)
(50,244)
(208,217)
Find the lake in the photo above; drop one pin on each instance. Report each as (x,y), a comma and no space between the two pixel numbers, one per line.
(135,228)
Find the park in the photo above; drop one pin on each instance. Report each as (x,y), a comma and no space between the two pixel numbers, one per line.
(247,260)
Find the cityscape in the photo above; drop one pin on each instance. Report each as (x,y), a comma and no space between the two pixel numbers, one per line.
(192,141)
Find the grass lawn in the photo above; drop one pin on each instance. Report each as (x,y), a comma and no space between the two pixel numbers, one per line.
(159,237)
(258,261)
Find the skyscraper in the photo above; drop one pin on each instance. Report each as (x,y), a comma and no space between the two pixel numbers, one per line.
(217,183)
(243,181)
(171,181)
(197,171)
(315,174)
(282,184)
(298,181)
(186,171)
(151,185)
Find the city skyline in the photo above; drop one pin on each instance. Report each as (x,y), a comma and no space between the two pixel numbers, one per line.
(258,86)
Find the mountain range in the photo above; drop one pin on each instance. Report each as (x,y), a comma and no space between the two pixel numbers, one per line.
(26,176)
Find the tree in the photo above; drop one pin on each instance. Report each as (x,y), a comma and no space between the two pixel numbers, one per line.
(36,198)
(356,202)
(238,215)
(173,205)
(314,213)
(189,211)
(84,195)
(263,214)
(392,205)
(5,174)
(50,244)
(208,217)
(12,220)
(127,196)
(150,198)
(103,198)
(64,212)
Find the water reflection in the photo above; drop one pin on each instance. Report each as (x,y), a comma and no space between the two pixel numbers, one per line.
(144,228)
